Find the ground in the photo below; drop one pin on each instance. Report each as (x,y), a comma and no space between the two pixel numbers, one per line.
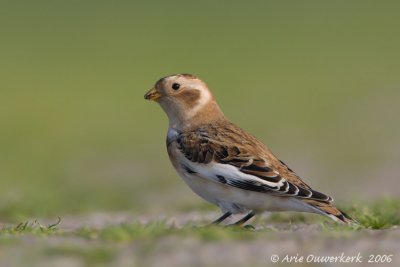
(185,239)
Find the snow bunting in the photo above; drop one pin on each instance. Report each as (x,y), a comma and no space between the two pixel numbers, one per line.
(226,165)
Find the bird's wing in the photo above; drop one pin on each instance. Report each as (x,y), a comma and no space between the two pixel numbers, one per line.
(238,164)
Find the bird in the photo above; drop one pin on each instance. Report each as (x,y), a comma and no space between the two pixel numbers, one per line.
(224,164)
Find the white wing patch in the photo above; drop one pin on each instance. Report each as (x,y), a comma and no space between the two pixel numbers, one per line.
(233,176)
(231,173)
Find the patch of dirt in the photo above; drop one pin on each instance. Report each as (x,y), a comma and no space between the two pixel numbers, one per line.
(286,241)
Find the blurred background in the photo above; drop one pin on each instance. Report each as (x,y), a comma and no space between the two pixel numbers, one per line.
(318,81)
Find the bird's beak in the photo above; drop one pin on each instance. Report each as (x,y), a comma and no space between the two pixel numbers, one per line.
(153,94)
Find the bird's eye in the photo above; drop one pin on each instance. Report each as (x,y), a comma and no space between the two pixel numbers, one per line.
(176,86)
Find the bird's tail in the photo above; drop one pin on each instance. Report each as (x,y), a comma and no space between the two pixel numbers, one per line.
(331,211)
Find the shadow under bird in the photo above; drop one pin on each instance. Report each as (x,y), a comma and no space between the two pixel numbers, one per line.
(224,164)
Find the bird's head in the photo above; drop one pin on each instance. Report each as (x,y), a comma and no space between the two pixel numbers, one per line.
(186,100)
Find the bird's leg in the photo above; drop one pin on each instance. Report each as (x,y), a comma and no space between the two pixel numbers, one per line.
(249,215)
(223,217)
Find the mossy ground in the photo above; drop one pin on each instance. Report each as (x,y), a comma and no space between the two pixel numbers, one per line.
(137,242)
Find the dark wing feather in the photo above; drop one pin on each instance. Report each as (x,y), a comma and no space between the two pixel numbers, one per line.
(203,147)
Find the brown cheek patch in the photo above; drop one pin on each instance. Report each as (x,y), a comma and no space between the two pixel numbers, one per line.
(190,98)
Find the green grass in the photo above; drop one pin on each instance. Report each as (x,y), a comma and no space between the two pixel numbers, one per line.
(132,231)
(140,243)
(155,230)
(30,227)
(379,215)
(382,214)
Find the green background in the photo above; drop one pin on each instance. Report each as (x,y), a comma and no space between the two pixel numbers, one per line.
(318,81)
